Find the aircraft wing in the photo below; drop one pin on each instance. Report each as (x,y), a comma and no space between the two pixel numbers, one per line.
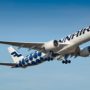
(8,64)
(35,46)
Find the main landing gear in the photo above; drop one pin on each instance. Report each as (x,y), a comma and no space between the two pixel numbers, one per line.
(66,61)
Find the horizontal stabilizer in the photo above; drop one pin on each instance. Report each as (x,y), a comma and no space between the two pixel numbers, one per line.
(8,64)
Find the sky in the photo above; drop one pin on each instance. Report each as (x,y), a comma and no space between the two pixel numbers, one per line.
(41,21)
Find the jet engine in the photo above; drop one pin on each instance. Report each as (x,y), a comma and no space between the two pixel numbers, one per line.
(85,52)
(51,45)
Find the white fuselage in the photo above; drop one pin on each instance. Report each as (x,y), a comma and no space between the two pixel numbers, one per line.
(81,39)
(74,40)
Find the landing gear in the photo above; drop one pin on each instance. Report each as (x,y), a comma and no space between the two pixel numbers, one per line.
(66,62)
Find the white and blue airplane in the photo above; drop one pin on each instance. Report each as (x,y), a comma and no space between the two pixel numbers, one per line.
(55,49)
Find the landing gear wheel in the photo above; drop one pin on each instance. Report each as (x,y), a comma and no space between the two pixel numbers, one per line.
(63,62)
(69,61)
(66,61)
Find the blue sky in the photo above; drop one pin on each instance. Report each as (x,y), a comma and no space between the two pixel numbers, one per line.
(40,21)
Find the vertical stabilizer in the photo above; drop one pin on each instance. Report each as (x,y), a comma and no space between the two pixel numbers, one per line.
(15,55)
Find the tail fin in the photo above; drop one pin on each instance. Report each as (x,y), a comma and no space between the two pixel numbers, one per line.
(15,55)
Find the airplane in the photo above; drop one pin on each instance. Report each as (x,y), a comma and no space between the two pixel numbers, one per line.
(61,49)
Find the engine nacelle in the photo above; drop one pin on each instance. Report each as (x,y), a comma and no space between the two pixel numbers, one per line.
(85,52)
(51,45)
